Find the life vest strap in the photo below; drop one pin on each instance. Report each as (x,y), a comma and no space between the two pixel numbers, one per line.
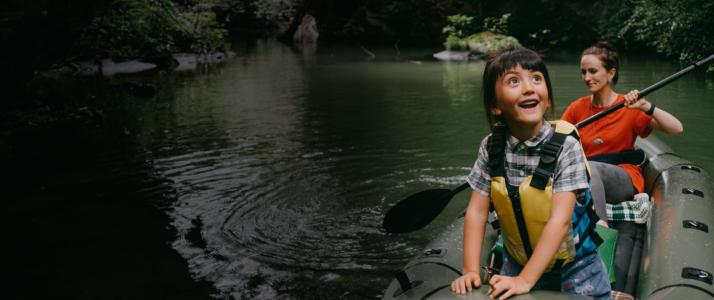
(520,220)
(591,227)
(496,147)
(549,153)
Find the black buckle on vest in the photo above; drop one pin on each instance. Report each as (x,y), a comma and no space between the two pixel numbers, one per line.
(549,152)
(540,178)
(540,172)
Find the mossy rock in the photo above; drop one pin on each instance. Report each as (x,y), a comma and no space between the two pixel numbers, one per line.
(485,42)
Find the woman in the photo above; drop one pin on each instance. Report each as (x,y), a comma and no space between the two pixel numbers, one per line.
(617,181)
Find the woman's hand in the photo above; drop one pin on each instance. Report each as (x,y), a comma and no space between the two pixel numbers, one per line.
(507,286)
(466,283)
(632,102)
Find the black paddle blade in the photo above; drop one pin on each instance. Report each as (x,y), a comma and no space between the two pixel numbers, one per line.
(416,211)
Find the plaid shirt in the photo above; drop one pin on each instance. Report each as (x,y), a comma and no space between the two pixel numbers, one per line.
(522,158)
(637,210)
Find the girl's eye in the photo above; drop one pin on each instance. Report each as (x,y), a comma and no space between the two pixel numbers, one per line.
(537,78)
(512,81)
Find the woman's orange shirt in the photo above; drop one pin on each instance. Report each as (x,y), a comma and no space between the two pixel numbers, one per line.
(613,133)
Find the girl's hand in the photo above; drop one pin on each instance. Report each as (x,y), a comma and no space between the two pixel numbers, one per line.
(632,102)
(507,286)
(466,283)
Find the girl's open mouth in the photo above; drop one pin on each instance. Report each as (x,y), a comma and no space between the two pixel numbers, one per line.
(528,104)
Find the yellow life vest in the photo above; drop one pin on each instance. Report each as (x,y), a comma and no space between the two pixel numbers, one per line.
(523,213)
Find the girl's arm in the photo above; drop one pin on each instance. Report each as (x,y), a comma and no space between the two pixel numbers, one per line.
(552,236)
(661,120)
(474,229)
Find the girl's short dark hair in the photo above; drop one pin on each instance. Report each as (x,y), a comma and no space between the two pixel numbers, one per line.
(607,53)
(501,61)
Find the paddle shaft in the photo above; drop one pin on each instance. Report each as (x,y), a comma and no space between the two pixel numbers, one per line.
(646,91)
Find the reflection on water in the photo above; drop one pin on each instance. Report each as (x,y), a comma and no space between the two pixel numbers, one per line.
(275,169)
(462,81)
(277,163)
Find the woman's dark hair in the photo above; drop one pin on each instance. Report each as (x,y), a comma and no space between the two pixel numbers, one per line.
(501,61)
(607,53)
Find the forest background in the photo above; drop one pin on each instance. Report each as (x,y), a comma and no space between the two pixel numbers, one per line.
(37,34)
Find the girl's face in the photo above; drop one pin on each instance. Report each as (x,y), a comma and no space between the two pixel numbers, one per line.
(594,74)
(521,96)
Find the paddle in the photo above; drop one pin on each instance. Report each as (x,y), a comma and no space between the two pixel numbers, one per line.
(418,210)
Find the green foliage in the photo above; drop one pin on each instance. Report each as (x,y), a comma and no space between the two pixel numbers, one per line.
(615,23)
(461,37)
(496,25)
(677,28)
(146,28)
(459,26)
(204,33)
(275,9)
(455,43)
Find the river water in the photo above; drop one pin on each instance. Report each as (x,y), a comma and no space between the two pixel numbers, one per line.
(268,176)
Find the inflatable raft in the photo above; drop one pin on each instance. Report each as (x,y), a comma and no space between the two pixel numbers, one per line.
(676,260)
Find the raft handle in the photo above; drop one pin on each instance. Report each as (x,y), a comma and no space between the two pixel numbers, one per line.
(691,168)
(405,284)
(697,274)
(431,252)
(693,191)
(695,225)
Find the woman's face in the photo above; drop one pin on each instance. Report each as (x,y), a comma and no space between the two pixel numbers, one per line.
(594,74)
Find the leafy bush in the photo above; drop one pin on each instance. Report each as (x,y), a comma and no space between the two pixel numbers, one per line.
(455,43)
(459,26)
(487,42)
(149,28)
(677,28)
(204,33)
(496,25)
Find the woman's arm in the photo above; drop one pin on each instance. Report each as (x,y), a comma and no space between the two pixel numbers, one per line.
(474,229)
(661,120)
(552,236)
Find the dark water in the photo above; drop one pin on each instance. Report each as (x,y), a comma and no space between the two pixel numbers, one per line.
(266,177)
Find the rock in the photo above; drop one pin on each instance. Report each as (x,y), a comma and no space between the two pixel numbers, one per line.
(85,68)
(189,61)
(450,55)
(109,67)
(479,45)
(216,57)
(78,68)
(483,43)
(307,31)
(185,61)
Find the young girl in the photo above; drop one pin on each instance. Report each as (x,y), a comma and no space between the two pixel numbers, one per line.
(535,175)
